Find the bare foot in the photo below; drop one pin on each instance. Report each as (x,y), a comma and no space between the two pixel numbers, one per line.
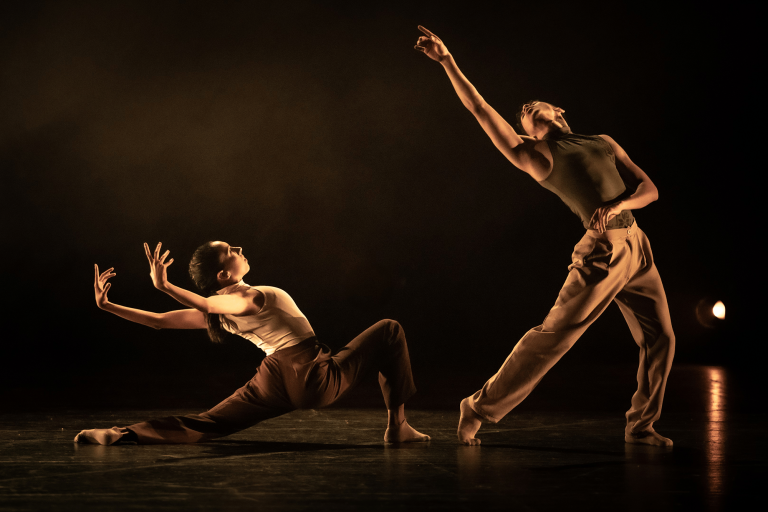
(469,424)
(404,433)
(650,437)
(104,436)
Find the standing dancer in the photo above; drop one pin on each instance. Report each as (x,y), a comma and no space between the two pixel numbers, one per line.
(613,261)
(298,372)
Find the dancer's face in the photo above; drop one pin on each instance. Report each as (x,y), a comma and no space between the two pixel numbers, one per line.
(540,118)
(234,265)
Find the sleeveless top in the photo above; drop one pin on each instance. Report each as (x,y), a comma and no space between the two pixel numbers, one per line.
(279,324)
(585,177)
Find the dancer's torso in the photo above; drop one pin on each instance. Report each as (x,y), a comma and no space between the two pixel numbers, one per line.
(585,177)
(279,324)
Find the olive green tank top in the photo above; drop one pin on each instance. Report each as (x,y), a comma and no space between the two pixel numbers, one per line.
(585,177)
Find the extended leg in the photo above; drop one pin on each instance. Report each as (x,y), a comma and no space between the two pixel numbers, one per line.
(596,275)
(257,401)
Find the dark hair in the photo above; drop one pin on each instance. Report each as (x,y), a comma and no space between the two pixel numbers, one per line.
(519,115)
(203,269)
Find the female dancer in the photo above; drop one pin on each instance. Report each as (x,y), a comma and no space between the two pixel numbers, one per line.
(613,261)
(298,372)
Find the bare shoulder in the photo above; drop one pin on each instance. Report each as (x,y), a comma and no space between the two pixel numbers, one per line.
(534,158)
(253,297)
(531,145)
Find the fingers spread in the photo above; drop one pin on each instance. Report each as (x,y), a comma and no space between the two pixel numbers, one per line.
(146,250)
(169,263)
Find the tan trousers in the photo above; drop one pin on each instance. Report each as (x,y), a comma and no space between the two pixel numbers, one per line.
(616,265)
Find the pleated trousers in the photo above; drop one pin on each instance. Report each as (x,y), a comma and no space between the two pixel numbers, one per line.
(618,266)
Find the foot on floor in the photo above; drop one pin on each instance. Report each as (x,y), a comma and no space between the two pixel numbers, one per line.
(404,433)
(650,437)
(469,424)
(103,436)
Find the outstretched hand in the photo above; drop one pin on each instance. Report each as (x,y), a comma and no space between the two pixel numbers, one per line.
(602,215)
(431,45)
(158,266)
(101,286)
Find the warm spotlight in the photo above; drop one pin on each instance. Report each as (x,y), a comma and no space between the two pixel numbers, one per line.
(719,310)
(710,313)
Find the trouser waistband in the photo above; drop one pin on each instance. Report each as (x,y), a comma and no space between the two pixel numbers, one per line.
(615,234)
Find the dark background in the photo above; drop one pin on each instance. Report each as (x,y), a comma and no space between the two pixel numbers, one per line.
(313,135)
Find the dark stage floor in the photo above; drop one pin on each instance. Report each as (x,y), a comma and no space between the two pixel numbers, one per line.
(536,459)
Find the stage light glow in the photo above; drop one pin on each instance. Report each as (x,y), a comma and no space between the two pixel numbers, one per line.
(711,313)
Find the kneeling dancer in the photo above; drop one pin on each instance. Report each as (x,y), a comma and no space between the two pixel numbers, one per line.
(298,372)
(594,176)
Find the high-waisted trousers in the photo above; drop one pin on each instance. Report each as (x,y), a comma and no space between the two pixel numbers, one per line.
(613,266)
(304,376)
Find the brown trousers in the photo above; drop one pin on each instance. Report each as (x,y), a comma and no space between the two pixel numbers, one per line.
(303,376)
(614,266)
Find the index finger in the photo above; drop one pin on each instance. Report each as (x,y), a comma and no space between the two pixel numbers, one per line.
(426,31)
(146,250)
(96,272)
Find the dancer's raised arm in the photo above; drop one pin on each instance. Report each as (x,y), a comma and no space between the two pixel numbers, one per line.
(238,303)
(182,319)
(520,150)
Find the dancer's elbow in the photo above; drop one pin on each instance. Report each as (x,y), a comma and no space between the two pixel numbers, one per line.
(159,321)
(651,192)
(476,104)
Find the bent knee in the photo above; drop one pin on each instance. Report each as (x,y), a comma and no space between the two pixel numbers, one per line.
(392,329)
(387,323)
(664,341)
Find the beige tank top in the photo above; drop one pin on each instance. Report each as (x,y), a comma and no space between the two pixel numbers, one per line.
(279,324)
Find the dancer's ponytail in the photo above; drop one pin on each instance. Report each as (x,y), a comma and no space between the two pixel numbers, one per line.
(203,269)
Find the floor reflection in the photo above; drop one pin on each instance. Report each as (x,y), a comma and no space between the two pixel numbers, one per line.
(716,430)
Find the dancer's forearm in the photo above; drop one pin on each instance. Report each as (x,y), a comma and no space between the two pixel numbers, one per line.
(186,297)
(496,127)
(138,316)
(645,194)
(180,319)
(464,89)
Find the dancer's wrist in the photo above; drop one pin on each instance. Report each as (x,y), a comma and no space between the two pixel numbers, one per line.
(447,60)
